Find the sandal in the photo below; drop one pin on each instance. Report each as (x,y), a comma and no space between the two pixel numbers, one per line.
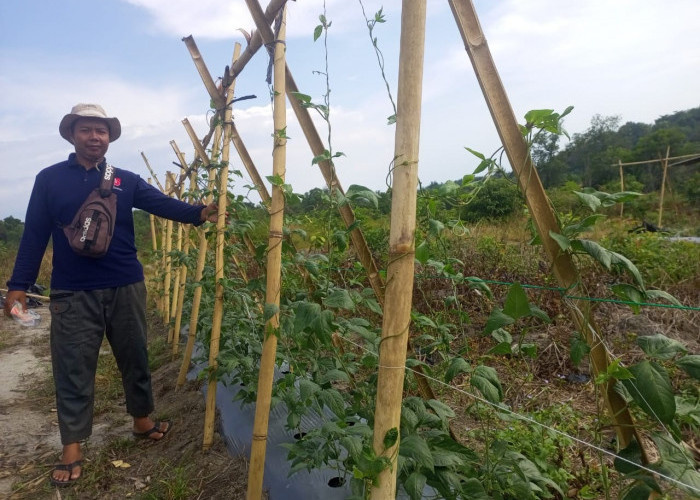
(155,429)
(68,467)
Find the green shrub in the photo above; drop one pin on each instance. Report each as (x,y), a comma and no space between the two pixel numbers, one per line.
(497,199)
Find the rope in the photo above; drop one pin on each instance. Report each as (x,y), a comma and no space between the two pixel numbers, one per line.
(540,424)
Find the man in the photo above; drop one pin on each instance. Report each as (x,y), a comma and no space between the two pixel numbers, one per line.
(91,297)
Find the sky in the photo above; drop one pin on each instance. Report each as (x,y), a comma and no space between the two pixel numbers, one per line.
(635,59)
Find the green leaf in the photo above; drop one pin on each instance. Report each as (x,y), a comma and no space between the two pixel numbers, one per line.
(414,485)
(678,463)
(640,491)
(415,447)
(335,376)
(538,313)
(441,409)
(362,195)
(474,490)
(485,379)
(501,348)
(305,315)
(652,295)
(651,389)
(629,293)
(659,346)
(334,401)
(502,335)
(318,31)
(339,299)
(476,153)
(578,349)
(497,319)
(353,444)
(435,227)
(516,304)
(590,200)
(422,252)
(269,311)
(390,438)
(307,388)
(457,366)
(690,364)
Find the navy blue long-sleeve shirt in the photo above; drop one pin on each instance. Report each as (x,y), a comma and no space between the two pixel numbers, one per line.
(58,192)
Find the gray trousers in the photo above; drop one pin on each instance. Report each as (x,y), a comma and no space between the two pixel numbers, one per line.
(79,321)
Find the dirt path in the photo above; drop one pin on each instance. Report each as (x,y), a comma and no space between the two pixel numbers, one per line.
(28,431)
(30,444)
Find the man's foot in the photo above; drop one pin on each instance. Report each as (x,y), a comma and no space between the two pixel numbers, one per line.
(69,469)
(145,428)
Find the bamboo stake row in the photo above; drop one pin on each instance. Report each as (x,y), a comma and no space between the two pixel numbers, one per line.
(202,252)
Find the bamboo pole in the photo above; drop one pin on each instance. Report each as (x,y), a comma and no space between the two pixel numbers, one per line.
(214,93)
(167,248)
(201,254)
(663,186)
(154,242)
(622,185)
(155,177)
(538,204)
(173,333)
(274,261)
(400,271)
(185,251)
(152,219)
(210,412)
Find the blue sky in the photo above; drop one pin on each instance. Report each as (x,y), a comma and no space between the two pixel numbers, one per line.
(637,59)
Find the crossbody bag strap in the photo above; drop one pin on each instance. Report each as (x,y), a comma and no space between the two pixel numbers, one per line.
(107,181)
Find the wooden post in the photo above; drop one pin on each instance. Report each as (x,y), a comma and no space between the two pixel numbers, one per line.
(202,252)
(274,261)
(167,248)
(400,271)
(663,187)
(210,411)
(538,204)
(622,186)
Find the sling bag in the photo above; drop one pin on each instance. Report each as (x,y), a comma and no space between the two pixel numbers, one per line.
(90,232)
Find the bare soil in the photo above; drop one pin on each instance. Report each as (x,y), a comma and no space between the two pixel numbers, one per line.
(174,468)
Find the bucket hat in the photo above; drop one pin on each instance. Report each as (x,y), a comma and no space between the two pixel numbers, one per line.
(89,111)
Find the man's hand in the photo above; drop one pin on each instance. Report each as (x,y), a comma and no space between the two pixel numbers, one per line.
(210,213)
(11,297)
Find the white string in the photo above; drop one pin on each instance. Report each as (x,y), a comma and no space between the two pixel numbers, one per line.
(528,419)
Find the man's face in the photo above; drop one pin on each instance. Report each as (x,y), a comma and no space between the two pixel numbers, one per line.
(90,138)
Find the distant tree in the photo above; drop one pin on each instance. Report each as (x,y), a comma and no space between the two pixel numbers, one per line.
(11,230)
(591,154)
(550,166)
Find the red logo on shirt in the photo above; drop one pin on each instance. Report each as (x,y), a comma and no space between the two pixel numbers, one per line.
(117,182)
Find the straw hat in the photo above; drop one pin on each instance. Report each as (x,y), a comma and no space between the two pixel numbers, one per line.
(89,111)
